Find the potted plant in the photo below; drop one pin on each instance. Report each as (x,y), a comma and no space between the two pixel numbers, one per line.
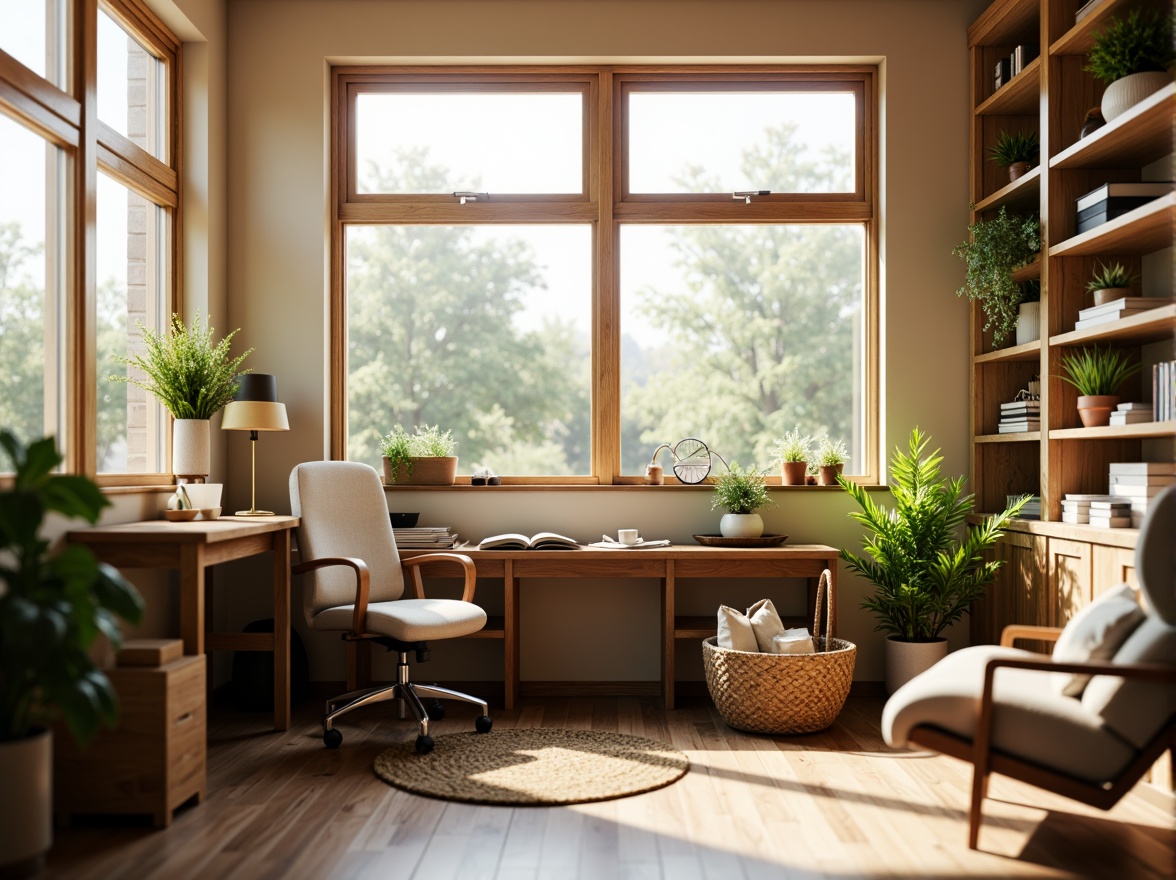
(925,562)
(1097,373)
(52,607)
(997,247)
(1110,283)
(423,458)
(1017,152)
(1028,328)
(1132,56)
(194,378)
(741,493)
(793,452)
(831,458)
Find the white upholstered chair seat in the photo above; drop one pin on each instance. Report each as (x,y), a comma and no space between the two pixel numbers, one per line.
(410,620)
(1031,719)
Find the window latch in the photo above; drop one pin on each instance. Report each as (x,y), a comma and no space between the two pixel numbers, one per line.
(746,194)
(471,196)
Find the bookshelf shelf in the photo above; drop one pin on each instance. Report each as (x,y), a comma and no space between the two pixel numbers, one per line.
(1140,136)
(1115,432)
(1018,97)
(1080,38)
(1022,192)
(1152,326)
(1145,230)
(1020,437)
(1029,270)
(1029,351)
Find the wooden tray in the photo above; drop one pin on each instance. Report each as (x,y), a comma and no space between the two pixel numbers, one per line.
(720,541)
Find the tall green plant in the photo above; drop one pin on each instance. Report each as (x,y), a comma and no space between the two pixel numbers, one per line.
(52,607)
(996,248)
(1139,43)
(925,575)
(190,375)
(1097,371)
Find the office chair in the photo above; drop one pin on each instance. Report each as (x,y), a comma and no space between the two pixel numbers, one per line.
(347,547)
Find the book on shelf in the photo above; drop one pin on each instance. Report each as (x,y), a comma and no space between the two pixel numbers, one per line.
(1017,427)
(1126,302)
(1142,468)
(1164,391)
(1020,57)
(1079,496)
(1141,491)
(1147,189)
(1110,522)
(1131,406)
(425,538)
(1111,506)
(538,541)
(1085,9)
(1001,74)
(1084,323)
(1130,418)
(1077,519)
(1020,407)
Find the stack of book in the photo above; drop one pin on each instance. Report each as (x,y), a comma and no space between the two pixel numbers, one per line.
(1076,508)
(1113,200)
(1032,508)
(1019,415)
(1124,307)
(1164,391)
(1113,514)
(1137,482)
(425,538)
(1130,413)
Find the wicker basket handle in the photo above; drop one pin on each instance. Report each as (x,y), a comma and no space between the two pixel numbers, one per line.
(824,588)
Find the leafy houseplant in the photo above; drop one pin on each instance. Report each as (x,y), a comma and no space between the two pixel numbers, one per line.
(1110,282)
(1132,55)
(741,492)
(926,566)
(793,450)
(996,248)
(1016,152)
(1097,373)
(831,458)
(425,456)
(52,607)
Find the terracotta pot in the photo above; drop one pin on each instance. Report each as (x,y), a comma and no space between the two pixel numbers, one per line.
(827,473)
(792,473)
(26,779)
(905,660)
(434,471)
(741,525)
(1110,294)
(1125,93)
(1028,328)
(1019,169)
(191,443)
(1095,409)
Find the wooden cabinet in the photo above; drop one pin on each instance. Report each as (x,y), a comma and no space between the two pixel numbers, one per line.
(1020,592)
(154,761)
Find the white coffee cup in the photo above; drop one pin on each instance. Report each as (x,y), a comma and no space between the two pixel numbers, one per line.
(627,536)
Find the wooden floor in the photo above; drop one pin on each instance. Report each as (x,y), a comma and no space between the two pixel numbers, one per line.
(837,804)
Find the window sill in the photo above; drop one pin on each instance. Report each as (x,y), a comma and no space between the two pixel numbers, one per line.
(617,487)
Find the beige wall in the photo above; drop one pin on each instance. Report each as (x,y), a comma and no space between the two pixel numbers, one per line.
(278,56)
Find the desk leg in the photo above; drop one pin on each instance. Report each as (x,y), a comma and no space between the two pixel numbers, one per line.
(668,641)
(192,598)
(209,628)
(282,629)
(510,635)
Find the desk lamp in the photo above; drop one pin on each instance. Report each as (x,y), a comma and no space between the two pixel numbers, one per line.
(255,408)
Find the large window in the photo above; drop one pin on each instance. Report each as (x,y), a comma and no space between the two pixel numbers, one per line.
(569,268)
(87,227)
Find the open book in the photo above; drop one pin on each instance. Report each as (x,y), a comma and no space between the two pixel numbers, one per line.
(540,541)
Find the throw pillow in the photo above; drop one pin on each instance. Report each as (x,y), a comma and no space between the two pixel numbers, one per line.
(793,641)
(1095,633)
(735,630)
(765,623)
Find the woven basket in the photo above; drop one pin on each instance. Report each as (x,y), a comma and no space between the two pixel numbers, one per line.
(782,693)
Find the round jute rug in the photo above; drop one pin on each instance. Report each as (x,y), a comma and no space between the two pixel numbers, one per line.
(539,766)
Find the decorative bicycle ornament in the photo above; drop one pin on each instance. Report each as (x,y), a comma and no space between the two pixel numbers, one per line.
(692,462)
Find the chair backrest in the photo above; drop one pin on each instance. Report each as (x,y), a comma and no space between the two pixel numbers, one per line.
(344,513)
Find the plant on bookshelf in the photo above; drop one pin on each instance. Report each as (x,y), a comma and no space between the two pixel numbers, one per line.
(1017,152)
(997,248)
(1097,373)
(1132,55)
(1109,283)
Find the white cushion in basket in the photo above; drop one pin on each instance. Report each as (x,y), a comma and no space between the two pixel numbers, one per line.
(1032,720)
(735,630)
(765,623)
(1095,633)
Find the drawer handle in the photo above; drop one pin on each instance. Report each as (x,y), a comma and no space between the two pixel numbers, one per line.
(187,716)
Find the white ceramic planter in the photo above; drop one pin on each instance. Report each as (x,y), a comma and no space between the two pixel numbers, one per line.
(26,780)
(1125,93)
(741,525)
(1028,325)
(905,660)
(191,444)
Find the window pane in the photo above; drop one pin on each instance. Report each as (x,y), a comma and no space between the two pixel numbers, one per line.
(719,142)
(132,88)
(467,144)
(482,330)
(34,33)
(132,268)
(736,334)
(32,215)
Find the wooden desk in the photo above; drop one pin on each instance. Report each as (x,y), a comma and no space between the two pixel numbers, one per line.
(667,564)
(190,547)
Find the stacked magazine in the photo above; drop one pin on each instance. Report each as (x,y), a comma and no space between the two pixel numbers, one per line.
(1124,307)
(1135,483)
(1106,511)
(425,538)
(1019,415)
(1032,508)
(1131,413)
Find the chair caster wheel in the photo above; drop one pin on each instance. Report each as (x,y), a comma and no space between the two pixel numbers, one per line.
(332,738)
(483,724)
(424,745)
(436,710)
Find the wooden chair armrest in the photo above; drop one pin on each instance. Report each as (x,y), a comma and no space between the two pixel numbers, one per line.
(412,565)
(1015,631)
(362,583)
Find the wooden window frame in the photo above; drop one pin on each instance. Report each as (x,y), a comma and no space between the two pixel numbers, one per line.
(606,205)
(72,124)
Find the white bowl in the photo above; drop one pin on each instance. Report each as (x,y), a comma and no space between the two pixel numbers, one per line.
(204,495)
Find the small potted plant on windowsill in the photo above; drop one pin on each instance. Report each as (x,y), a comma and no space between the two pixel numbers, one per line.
(1110,283)
(1097,373)
(831,458)
(792,450)
(1017,152)
(997,247)
(422,458)
(1133,56)
(742,493)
